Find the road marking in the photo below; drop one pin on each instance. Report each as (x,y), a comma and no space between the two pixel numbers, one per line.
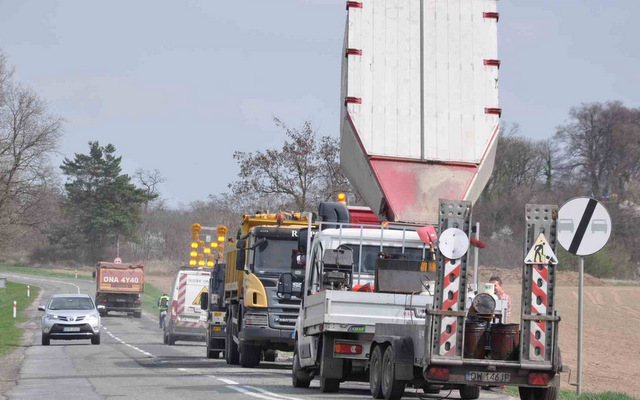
(271,394)
(146,353)
(245,391)
(227,381)
(44,280)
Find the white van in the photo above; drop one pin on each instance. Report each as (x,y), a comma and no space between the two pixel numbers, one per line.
(185,319)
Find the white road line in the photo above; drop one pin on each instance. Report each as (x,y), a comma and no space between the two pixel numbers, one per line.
(146,353)
(245,391)
(44,280)
(272,394)
(227,381)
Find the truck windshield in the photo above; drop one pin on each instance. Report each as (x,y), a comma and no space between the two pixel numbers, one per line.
(274,256)
(370,254)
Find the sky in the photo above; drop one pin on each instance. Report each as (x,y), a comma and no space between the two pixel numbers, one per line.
(179,86)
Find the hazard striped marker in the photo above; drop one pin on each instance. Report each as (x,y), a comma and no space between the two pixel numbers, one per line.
(538,259)
(182,293)
(451,293)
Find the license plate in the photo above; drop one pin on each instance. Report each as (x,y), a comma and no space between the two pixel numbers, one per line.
(70,329)
(121,300)
(217,328)
(496,377)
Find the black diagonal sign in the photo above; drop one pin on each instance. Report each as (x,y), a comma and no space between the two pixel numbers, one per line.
(583,226)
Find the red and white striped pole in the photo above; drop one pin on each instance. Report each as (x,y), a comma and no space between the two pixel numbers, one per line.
(28,291)
(15,307)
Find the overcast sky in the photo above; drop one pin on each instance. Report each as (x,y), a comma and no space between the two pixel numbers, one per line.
(179,85)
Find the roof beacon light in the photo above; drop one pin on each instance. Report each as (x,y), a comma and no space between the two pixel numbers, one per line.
(342,198)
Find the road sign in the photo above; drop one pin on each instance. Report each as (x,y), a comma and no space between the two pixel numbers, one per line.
(118,260)
(584,226)
(453,243)
(541,253)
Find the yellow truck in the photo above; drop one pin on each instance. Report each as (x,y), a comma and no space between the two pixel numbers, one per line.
(258,322)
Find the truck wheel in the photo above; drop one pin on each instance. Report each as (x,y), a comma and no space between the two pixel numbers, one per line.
(45,340)
(171,340)
(329,385)
(298,378)
(270,355)
(469,392)
(249,355)
(231,348)
(137,314)
(375,373)
(548,393)
(392,389)
(95,339)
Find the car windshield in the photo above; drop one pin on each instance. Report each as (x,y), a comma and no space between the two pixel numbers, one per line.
(370,254)
(71,303)
(273,256)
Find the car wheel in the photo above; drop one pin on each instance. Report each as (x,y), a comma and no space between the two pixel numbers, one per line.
(45,340)
(171,340)
(95,339)
(137,314)
(164,338)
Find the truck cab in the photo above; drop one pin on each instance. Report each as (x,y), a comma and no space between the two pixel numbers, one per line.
(259,322)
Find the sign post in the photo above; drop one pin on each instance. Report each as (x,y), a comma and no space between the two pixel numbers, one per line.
(584,227)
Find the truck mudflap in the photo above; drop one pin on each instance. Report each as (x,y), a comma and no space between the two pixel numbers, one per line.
(403,351)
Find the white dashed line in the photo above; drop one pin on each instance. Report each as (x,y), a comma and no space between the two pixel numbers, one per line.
(227,381)
(127,344)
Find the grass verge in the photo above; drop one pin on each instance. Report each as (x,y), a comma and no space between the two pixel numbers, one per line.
(150,298)
(10,334)
(566,394)
(43,272)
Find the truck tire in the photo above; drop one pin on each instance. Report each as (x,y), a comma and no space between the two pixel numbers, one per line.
(45,340)
(298,378)
(171,340)
(103,313)
(392,389)
(137,314)
(270,355)
(249,355)
(231,348)
(469,392)
(375,373)
(95,339)
(329,385)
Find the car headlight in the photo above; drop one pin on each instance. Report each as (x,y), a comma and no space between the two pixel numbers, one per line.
(92,318)
(51,316)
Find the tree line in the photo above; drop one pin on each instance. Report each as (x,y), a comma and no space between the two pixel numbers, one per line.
(95,209)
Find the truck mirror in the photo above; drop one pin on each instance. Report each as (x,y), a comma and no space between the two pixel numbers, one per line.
(240,254)
(204,301)
(298,260)
(285,286)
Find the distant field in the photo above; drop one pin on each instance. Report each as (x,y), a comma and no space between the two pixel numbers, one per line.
(567,394)
(10,334)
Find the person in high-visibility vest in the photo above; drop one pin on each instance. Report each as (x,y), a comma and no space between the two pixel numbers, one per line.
(163,306)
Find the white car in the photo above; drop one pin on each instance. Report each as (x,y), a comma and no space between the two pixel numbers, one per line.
(70,316)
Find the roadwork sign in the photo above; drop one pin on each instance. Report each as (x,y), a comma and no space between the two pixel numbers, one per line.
(541,253)
(584,226)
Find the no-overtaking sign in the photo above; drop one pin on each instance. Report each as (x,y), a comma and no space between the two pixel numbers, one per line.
(584,226)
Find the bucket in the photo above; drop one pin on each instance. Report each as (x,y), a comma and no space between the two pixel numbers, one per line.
(475,339)
(505,340)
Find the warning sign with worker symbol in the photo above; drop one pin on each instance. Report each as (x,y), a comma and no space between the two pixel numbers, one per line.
(541,253)
(584,226)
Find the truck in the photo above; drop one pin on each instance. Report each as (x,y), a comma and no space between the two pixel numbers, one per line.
(213,304)
(119,287)
(419,126)
(259,323)
(186,320)
(341,303)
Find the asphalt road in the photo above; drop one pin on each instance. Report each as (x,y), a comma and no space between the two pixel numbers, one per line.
(132,362)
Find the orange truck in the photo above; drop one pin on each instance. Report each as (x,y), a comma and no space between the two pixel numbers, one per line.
(119,287)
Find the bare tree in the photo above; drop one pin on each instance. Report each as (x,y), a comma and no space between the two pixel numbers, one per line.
(29,134)
(304,172)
